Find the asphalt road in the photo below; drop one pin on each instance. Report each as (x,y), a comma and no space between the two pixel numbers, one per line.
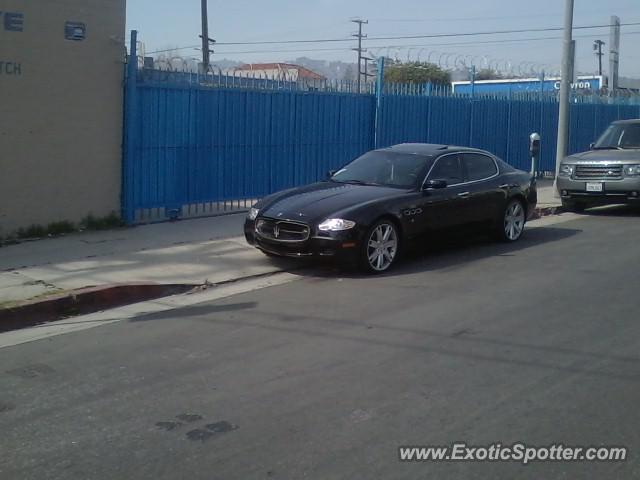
(323,378)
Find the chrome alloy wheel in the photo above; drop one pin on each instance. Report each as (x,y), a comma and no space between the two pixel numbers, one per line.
(514,219)
(382,246)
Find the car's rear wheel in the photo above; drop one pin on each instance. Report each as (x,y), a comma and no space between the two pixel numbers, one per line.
(380,247)
(573,206)
(513,221)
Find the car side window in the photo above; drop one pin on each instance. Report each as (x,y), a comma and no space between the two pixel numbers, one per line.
(631,137)
(478,166)
(447,168)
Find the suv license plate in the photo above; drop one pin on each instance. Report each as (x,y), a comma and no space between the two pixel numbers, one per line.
(595,187)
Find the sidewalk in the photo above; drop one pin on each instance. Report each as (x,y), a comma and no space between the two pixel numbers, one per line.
(186,252)
(191,252)
(546,194)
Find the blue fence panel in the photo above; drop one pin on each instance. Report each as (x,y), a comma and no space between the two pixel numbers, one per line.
(197,145)
(189,144)
(489,127)
(501,125)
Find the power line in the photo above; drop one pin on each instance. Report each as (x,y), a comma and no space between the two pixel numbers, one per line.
(435,35)
(403,37)
(414,45)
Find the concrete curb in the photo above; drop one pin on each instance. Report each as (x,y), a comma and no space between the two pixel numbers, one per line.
(82,301)
(88,300)
(546,211)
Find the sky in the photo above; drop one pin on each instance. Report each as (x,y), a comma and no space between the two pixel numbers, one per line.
(166,24)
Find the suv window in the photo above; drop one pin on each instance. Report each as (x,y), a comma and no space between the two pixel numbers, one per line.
(479,166)
(447,168)
(631,136)
(620,135)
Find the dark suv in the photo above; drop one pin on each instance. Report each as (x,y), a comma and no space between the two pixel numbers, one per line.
(607,174)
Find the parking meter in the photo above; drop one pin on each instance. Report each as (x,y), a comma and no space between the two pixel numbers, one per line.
(534,152)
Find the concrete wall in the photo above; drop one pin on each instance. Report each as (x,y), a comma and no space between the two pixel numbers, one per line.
(60,111)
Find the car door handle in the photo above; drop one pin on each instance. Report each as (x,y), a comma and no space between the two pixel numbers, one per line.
(464,194)
(508,185)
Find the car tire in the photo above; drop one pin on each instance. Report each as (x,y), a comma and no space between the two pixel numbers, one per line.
(380,247)
(510,228)
(573,206)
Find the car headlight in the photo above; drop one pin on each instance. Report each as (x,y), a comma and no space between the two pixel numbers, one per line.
(632,170)
(566,170)
(253,213)
(336,225)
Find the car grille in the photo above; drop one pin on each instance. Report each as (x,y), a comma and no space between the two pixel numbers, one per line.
(282,230)
(588,172)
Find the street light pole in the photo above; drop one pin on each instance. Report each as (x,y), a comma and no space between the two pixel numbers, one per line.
(563,117)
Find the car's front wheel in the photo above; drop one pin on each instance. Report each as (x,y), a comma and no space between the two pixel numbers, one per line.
(512,225)
(380,247)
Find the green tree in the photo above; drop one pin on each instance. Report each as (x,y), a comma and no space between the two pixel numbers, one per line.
(416,72)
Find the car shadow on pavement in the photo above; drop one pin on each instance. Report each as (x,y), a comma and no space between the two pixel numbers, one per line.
(447,251)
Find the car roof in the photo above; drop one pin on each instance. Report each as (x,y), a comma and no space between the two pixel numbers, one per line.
(427,149)
(633,121)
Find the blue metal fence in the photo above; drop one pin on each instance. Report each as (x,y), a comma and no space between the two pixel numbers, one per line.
(202,146)
(499,125)
(195,147)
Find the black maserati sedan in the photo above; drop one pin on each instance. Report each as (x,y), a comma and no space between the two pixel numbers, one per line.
(368,209)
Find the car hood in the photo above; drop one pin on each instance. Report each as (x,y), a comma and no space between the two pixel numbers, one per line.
(317,201)
(606,156)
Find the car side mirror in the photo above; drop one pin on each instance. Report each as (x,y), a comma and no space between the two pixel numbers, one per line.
(592,146)
(434,185)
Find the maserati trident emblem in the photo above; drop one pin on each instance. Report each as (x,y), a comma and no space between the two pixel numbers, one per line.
(276,231)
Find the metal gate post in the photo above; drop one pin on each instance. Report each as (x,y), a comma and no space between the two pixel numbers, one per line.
(130,126)
(473,94)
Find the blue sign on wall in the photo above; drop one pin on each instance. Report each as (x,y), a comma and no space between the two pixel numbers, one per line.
(527,85)
(12,21)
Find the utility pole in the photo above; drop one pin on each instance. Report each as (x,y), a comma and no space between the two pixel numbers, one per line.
(366,68)
(597,47)
(567,68)
(205,37)
(614,54)
(359,36)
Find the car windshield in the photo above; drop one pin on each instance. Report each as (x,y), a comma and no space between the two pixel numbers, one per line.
(620,136)
(401,170)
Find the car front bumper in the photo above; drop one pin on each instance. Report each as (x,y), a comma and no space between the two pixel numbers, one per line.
(626,190)
(342,245)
